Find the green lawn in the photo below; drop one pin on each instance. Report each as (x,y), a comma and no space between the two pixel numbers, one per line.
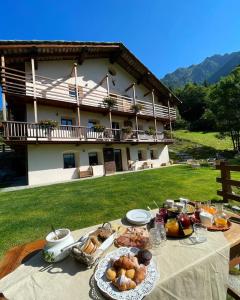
(26,215)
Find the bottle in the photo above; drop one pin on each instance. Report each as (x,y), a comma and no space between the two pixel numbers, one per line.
(162,232)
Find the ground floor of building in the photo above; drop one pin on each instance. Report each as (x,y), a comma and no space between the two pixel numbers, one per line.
(49,163)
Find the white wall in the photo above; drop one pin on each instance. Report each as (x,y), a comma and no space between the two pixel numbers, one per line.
(90,73)
(45,162)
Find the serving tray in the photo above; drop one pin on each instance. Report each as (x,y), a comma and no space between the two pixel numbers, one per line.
(215,228)
(108,289)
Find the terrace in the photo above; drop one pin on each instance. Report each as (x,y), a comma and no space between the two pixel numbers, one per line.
(67,92)
(31,133)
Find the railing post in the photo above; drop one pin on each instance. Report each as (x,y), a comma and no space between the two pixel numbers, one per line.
(154,115)
(169,115)
(34,90)
(225,175)
(4,106)
(134,102)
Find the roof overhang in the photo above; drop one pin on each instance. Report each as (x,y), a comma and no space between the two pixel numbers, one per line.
(21,51)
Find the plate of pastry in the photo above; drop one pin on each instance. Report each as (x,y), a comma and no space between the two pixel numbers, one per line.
(126,273)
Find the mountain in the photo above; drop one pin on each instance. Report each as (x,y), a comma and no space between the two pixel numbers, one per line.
(211,70)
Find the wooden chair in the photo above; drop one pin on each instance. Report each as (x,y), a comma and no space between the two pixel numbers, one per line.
(228,194)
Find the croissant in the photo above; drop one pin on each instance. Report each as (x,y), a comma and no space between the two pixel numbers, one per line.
(124,262)
(140,274)
(123,283)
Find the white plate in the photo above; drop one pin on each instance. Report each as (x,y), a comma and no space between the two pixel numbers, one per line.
(139,216)
(108,288)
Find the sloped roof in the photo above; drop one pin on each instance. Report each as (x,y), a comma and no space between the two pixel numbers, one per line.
(19,51)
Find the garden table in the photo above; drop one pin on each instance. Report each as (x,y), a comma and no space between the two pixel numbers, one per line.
(186,271)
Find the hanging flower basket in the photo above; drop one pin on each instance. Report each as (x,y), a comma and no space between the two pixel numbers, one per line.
(110,102)
(137,107)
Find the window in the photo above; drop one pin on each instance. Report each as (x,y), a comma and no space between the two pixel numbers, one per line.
(65,121)
(92,123)
(140,157)
(93,158)
(72,91)
(69,160)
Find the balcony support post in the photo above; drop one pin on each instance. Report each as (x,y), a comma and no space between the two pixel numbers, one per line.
(134,102)
(154,115)
(170,121)
(34,91)
(4,106)
(108,93)
(77,96)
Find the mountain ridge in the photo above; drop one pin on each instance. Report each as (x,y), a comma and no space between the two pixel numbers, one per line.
(211,69)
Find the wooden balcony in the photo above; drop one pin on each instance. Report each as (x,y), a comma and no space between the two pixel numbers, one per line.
(22,132)
(65,91)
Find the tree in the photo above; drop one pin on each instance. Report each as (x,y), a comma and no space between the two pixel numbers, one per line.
(193,99)
(225,104)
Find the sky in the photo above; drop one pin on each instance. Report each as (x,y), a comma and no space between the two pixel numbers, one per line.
(163,34)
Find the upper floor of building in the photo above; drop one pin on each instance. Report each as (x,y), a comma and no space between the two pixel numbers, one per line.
(83,74)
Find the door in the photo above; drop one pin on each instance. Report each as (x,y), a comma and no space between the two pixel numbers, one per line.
(109,162)
(116,131)
(118,159)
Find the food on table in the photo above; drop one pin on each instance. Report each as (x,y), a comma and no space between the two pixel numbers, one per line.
(163,214)
(184,220)
(210,209)
(133,237)
(127,272)
(130,273)
(90,246)
(206,218)
(111,274)
(123,283)
(124,262)
(220,221)
(144,257)
(102,233)
(172,227)
(178,207)
(140,274)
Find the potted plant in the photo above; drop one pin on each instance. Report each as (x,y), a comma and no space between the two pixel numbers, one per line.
(150,131)
(48,126)
(137,107)
(109,102)
(99,128)
(127,132)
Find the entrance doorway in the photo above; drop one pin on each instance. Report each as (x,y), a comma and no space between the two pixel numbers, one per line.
(109,162)
(118,159)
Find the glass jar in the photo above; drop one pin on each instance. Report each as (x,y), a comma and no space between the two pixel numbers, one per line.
(172,227)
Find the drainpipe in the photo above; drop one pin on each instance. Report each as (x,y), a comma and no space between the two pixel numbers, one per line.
(154,115)
(134,102)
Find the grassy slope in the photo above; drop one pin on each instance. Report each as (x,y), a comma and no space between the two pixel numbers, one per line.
(206,139)
(26,215)
(199,145)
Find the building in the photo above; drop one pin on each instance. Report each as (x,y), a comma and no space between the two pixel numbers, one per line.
(79,109)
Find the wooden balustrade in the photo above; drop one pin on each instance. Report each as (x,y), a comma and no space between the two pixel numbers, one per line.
(21,83)
(23,131)
(227,183)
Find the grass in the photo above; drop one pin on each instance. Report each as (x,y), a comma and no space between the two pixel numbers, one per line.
(207,139)
(26,215)
(200,145)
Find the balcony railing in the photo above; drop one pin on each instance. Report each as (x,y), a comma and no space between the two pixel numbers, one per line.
(30,132)
(64,89)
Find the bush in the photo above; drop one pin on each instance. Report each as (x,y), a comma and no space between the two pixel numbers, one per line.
(99,128)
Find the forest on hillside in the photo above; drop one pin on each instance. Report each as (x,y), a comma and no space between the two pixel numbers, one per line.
(214,107)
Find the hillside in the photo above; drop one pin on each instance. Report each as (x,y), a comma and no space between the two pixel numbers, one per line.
(211,70)
(199,145)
